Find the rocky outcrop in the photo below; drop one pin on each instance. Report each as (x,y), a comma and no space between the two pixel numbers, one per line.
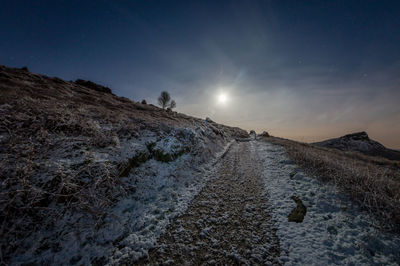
(360,142)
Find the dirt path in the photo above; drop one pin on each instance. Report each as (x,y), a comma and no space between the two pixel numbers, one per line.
(227,223)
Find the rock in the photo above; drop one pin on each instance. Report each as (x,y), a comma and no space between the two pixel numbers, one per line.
(357,136)
(292,174)
(169,262)
(209,120)
(332,230)
(298,213)
(264,134)
(115,140)
(360,142)
(252,134)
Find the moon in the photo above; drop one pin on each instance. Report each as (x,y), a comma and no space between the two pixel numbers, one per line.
(222,98)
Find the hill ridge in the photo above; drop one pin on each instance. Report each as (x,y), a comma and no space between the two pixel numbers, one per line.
(360,142)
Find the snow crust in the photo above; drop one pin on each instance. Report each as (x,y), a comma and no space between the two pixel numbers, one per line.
(162,190)
(334,230)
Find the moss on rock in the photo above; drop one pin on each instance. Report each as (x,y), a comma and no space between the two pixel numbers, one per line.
(151,153)
(135,161)
(160,156)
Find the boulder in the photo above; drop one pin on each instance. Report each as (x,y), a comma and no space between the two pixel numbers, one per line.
(264,134)
(252,134)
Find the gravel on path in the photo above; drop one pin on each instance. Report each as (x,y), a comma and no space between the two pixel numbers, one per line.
(228,222)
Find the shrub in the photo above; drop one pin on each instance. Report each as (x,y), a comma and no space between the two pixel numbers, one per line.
(172,105)
(92,85)
(164,100)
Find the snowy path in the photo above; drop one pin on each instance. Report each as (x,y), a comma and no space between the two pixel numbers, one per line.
(241,217)
(228,222)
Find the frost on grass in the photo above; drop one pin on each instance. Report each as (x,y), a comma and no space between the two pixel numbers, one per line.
(151,192)
(91,178)
(334,231)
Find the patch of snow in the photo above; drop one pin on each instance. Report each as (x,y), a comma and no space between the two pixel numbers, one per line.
(132,225)
(163,192)
(334,231)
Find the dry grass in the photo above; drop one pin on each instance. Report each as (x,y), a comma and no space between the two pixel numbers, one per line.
(35,196)
(41,118)
(374,183)
(45,122)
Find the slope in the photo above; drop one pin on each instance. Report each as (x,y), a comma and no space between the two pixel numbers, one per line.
(360,142)
(87,175)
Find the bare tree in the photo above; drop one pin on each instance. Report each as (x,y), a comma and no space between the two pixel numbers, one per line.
(172,105)
(164,99)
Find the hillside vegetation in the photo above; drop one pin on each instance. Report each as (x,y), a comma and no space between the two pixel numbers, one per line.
(373,182)
(84,172)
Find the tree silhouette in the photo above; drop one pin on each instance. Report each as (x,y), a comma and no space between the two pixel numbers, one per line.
(172,105)
(164,99)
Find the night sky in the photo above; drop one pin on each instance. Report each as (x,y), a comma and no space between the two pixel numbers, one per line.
(306,70)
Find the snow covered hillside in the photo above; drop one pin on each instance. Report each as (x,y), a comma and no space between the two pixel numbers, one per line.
(333,231)
(89,177)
